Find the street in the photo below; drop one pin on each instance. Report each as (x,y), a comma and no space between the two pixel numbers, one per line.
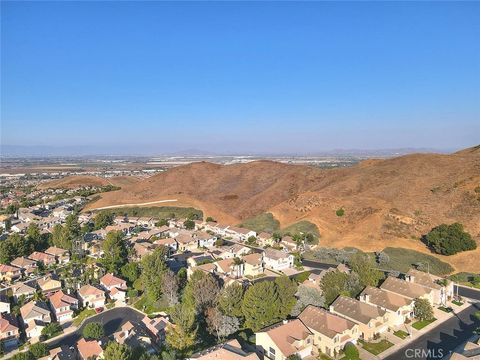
(468,292)
(441,340)
(112,320)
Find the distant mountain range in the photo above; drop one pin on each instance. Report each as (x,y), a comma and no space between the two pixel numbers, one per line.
(73,151)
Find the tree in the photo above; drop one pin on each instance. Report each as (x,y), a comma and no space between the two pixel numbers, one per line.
(336,283)
(162,222)
(93,330)
(38,241)
(423,309)
(153,267)
(221,325)
(170,287)
(383,258)
(261,305)
(210,219)
(115,251)
(340,212)
(201,291)
(449,239)
(52,329)
(307,296)
(189,224)
(351,351)
(183,334)
(38,350)
(286,289)
(103,219)
(230,300)
(364,266)
(23,356)
(131,271)
(116,351)
(294,357)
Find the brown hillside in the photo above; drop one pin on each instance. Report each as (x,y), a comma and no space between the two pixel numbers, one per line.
(387,202)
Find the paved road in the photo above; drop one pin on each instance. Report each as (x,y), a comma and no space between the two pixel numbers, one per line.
(439,341)
(468,292)
(112,320)
(316,264)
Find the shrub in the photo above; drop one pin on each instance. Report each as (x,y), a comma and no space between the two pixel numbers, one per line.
(93,330)
(449,239)
(423,310)
(340,212)
(351,351)
(38,350)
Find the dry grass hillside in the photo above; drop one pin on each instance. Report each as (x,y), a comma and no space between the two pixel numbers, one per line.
(386,202)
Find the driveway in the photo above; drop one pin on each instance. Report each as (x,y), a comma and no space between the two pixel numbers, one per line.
(112,321)
(442,339)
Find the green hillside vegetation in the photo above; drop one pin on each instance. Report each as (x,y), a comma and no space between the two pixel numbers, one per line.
(305,227)
(263,222)
(404,259)
(160,212)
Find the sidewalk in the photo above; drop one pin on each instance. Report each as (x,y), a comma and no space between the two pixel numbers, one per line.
(440,315)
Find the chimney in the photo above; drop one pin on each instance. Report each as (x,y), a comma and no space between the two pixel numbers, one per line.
(366,298)
(285,322)
(410,278)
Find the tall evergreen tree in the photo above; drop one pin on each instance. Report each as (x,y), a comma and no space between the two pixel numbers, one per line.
(261,305)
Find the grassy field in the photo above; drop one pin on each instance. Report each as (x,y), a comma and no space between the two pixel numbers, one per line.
(466,279)
(376,348)
(420,324)
(403,259)
(159,212)
(263,222)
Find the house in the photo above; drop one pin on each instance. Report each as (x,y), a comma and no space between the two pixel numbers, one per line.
(442,288)
(45,259)
(89,349)
(207,268)
(33,330)
(49,284)
(9,330)
(186,242)
(4,304)
(91,296)
(253,264)
(231,350)
(241,234)
(205,239)
(61,255)
(407,289)
(156,327)
(331,332)
(124,333)
(19,228)
(277,259)
(62,352)
(25,264)
(235,250)
(288,243)
(109,282)
(372,320)
(265,238)
(35,310)
(143,249)
(230,267)
(63,306)
(22,290)
(9,273)
(118,295)
(398,308)
(125,228)
(289,338)
(168,243)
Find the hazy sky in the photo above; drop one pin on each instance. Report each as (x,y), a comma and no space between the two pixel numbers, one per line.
(246,76)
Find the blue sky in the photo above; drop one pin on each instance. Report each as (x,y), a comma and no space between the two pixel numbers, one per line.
(156,77)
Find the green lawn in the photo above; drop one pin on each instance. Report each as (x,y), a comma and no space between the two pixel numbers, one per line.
(82,315)
(148,307)
(420,324)
(376,348)
(458,303)
(158,212)
(401,334)
(263,222)
(403,259)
